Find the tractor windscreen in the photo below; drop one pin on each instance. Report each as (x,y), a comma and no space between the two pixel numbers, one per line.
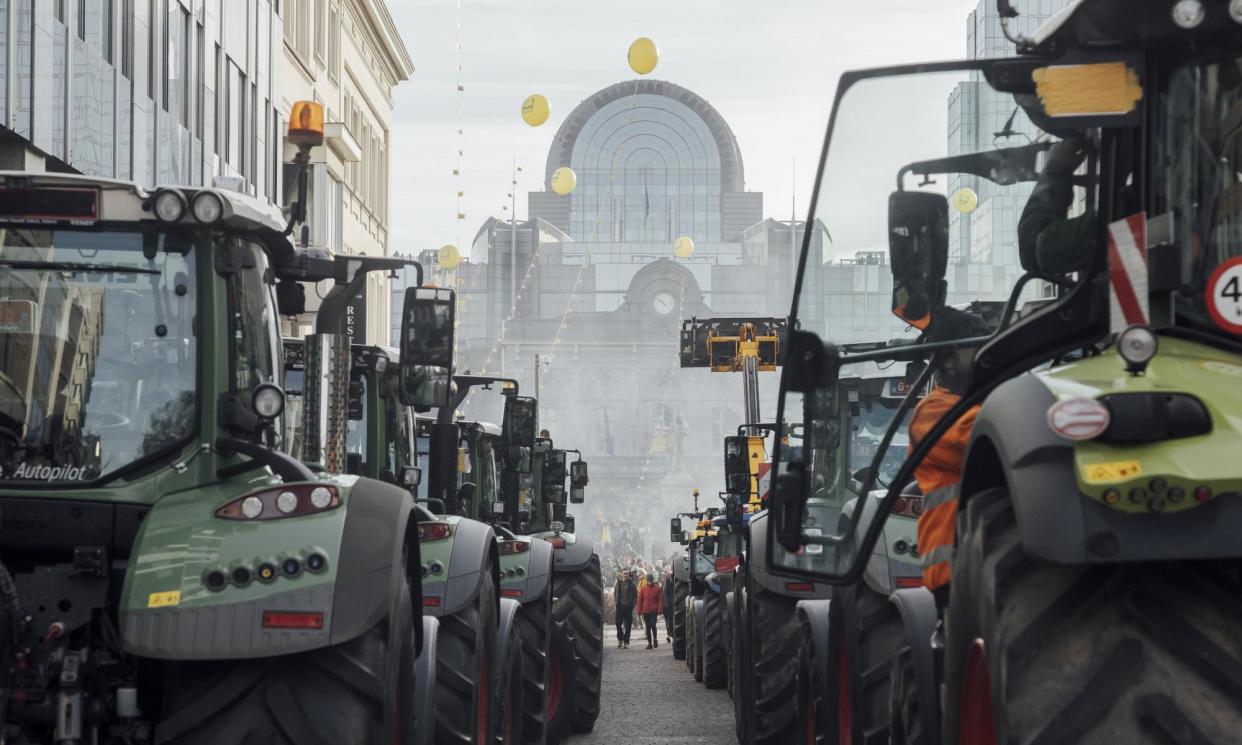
(98,355)
(1200,188)
(870,418)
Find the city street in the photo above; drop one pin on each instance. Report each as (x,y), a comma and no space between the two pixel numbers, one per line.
(648,698)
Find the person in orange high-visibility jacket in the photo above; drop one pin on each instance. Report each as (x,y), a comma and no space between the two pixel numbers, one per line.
(940,471)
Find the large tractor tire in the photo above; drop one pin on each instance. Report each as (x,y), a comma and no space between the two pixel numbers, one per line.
(865,635)
(356,692)
(715,674)
(743,667)
(696,621)
(692,636)
(463,668)
(580,602)
(772,693)
(814,713)
(562,671)
(534,626)
(906,721)
(509,708)
(730,622)
(680,592)
(1042,653)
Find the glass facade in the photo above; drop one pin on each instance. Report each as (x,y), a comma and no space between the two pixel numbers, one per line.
(648,170)
(157,91)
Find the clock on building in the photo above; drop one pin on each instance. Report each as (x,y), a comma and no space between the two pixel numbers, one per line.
(663,303)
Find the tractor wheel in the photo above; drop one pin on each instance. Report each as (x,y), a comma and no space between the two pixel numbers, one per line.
(774,639)
(692,636)
(866,633)
(359,691)
(510,697)
(727,633)
(680,592)
(714,642)
(905,725)
(562,671)
(743,669)
(700,634)
(1038,652)
(813,710)
(463,670)
(580,602)
(534,624)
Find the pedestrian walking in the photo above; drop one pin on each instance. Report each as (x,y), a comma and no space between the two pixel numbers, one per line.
(668,606)
(626,595)
(650,606)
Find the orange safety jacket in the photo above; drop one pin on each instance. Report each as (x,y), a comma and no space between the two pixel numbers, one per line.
(938,476)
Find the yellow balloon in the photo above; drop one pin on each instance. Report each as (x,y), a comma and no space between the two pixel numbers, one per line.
(535,110)
(643,55)
(564,180)
(683,247)
(449,257)
(965,200)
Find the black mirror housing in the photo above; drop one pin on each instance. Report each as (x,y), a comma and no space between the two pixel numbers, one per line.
(554,476)
(520,426)
(427,321)
(674,530)
(578,475)
(736,460)
(577,495)
(918,249)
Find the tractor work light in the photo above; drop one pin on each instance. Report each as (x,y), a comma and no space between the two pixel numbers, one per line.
(321,498)
(1188,14)
(1137,345)
(267,400)
(430,531)
(169,205)
(306,124)
(272,504)
(207,207)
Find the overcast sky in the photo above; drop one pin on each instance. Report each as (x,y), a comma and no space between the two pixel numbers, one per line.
(769,67)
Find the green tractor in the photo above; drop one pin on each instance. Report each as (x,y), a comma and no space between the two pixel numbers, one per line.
(168,572)
(691,568)
(576,581)
(1093,573)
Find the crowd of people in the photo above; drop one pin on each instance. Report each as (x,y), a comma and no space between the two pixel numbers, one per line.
(643,590)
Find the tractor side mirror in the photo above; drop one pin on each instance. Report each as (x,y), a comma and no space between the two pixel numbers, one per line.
(554,477)
(918,249)
(569,522)
(578,475)
(519,428)
(674,530)
(577,495)
(427,331)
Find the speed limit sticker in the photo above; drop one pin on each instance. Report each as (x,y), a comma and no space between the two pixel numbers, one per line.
(1224,295)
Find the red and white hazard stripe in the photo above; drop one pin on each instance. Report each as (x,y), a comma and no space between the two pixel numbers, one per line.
(1127,272)
(764,477)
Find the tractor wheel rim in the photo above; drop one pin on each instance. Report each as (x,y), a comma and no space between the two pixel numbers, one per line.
(845,694)
(975,715)
(481,723)
(554,686)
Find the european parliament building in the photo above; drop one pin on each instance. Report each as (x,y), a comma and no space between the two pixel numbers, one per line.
(590,284)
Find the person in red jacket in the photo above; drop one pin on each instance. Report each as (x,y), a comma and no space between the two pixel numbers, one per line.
(650,606)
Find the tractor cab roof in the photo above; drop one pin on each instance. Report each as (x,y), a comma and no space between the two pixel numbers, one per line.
(1104,24)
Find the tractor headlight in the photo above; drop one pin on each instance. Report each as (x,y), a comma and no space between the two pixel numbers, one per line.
(267,400)
(1137,345)
(207,207)
(170,205)
(1188,13)
(290,501)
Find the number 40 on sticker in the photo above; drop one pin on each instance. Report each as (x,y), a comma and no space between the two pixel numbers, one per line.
(1224,295)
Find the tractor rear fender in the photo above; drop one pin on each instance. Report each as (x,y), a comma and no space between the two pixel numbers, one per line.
(474,551)
(506,640)
(168,613)
(917,608)
(425,682)
(724,580)
(1013,448)
(538,577)
(757,565)
(813,614)
(576,555)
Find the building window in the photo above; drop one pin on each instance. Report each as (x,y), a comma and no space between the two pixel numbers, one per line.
(152,57)
(334,41)
(200,81)
(60,10)
(109,12)
(82,20)
(319,30)
(127,39)
(221,102)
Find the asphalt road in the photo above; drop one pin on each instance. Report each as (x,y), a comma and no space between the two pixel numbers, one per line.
(649,698)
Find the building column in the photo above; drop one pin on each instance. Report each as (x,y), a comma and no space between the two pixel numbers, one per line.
(17,155)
